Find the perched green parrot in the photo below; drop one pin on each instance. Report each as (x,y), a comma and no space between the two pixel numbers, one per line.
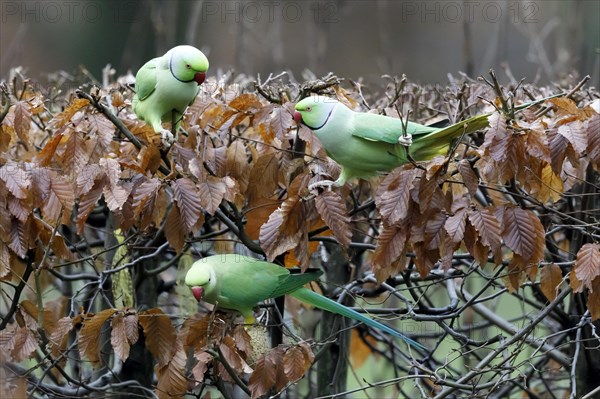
(166,84)
(239,282)
(366,144)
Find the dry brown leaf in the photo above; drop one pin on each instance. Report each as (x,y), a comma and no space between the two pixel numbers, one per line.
(392,197)
(243,341)
(144,200)
(24,345)
(22,121)
(593,302)
(359,350)
(551,188)
(76,152)
(469,177)
(576,135)
(175,230)
(283,230)
(332,209)
(536,143)
(263,180)
(188,201)
(230,354)
(550,280)
(18,238)
(236,164)
(44,157)
(89,335)
(474,245)
(390,248)
(5,269)
(263,377)
(211,192)
(424,258)
(59,336)
(159,334)
(204,359)
(17,179)
(523,233)
(281,120)
(172,383)
(488,230)
(87,202)
(455,225)
(497,130)
(587,264)
(118,337)
(246,102)
(195,332)
(593,133)
(65,116)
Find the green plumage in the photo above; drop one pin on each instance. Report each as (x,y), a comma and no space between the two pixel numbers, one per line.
(238,283)
(168,84)
(367,144)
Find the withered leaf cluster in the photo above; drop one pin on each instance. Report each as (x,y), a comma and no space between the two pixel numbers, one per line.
(508,197)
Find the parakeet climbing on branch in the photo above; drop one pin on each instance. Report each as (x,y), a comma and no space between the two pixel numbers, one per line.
(166,85)
(238,282)
(366,144)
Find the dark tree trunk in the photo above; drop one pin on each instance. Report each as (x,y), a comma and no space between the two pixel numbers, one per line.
(333,365)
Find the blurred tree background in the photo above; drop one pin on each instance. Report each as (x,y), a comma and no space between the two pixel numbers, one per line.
(543,41)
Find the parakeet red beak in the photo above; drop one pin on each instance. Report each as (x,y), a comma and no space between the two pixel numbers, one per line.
(298,117)
(197,292)
(199,77)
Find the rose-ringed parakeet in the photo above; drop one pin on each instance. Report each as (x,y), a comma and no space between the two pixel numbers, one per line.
(167,85)
(366,144)
(238,282)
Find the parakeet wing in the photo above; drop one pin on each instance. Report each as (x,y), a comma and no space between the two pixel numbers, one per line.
(384,128)
(248,281)
(292,282)
(146,79)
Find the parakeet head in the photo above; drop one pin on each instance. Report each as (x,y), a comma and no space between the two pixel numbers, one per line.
(198,278)
(188,64)
(315,111)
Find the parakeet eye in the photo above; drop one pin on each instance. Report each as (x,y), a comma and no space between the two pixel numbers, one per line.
(308,109)
(188,66)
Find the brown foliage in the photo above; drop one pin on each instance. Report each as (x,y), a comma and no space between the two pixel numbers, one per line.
(238,175)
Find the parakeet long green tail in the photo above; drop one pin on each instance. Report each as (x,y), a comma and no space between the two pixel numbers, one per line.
(435,143)
(322,302)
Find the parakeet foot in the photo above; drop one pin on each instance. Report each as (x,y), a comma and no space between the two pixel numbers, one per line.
(405,140)
(321,183)
(167,137)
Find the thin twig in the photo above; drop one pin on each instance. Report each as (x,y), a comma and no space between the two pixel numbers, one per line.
(118,123)
(514,339)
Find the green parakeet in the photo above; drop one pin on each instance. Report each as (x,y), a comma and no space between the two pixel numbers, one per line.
(239,282)
(166,84)
(366,144)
